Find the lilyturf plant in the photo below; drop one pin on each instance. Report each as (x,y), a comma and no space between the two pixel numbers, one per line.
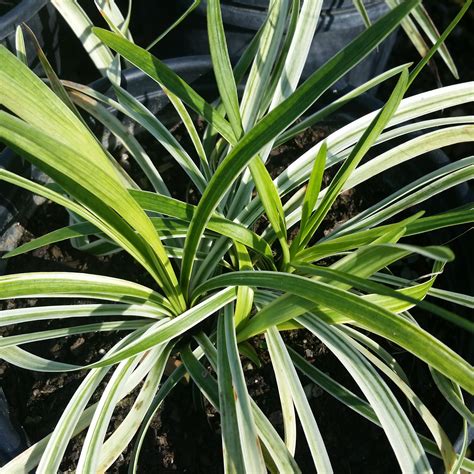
(220,279)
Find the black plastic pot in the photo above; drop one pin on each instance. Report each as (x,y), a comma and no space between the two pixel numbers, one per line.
(12,438)
(339,24)
(41,17)
(195,70)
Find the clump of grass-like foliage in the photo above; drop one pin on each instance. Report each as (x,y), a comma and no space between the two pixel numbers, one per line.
(209,263)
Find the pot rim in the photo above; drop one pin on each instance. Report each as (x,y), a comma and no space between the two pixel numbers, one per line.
(245,8)
(19,14)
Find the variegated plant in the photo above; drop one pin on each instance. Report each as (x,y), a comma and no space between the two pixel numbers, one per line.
(209,263)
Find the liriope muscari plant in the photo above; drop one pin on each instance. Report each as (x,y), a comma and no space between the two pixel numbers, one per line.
(211,262)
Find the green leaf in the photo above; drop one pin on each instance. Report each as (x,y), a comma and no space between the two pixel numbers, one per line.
(425,21)
(363,263)
(277,120)
(442,441)
(180,210)
(422,17)
(450,393)
(349,399)
(240,69)
(80,285)
(232,450)
(279,455)
(388,360)
(20,47)
(439,221)
(247,432)
(167,228)
(162,74)
(80,23)
(222,66)
(84,171)
(407,294)
(411,108)
(314,185)
(282,73)
(299,45)
(418,191)
(194,5)
(414,225)
(106,220)
(113,16)
(90,451)
(65,233)
(188,122)
(123,435)
(176,376)
(160,332)
(54,451)
(54,81)
(76,417)
(359,4)
(397,427)
(363,313)
(41,313)
(269,46)
(247,350)
(244,303)
(362,147)
(29,459)
(56,333)
(25,94)
(280,356)
(137,111)
(337,103)
(284,372)
(114,125)
(271,203)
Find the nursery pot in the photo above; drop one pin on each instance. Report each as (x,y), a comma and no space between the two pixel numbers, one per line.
(41,17)
(195,69)
(12,438)
(339,24)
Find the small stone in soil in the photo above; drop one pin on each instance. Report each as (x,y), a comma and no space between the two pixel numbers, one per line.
(56,252)
(77,344)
